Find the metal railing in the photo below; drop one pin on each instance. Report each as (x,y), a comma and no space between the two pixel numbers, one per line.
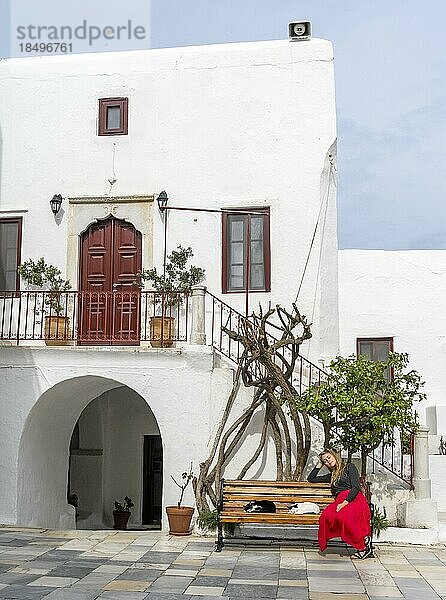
(396,456)
(221,315)
(124,317)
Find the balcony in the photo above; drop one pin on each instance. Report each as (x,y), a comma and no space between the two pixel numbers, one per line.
(124,318)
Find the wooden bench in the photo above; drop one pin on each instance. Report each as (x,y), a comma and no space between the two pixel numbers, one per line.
(235,494)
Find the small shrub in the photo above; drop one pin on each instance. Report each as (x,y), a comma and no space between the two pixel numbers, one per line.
(379,521)
(208,521)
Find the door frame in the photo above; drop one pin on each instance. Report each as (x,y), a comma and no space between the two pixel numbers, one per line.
(84,210)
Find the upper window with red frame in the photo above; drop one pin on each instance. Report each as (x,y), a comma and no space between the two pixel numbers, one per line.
(246,245)
(10,246)
(377,349)
(113,116)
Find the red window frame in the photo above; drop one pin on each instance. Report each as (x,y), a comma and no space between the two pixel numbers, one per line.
(19,222)
(104,105)
(266,249)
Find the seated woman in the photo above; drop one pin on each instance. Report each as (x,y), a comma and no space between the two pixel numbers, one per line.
(348,517)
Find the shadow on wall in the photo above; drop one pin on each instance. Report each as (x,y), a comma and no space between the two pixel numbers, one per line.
(387,492)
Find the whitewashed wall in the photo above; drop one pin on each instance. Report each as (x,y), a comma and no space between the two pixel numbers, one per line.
(235,125)
(179,393)
(47,390)
(398,294)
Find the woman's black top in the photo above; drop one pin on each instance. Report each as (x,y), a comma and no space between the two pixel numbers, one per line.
(349,480)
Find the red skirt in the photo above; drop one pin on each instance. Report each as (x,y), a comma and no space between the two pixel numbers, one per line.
(351,523)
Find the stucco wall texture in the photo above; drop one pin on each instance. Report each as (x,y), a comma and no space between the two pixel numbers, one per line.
(398,294)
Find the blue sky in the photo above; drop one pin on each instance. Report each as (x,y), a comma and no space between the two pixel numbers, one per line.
(390,84)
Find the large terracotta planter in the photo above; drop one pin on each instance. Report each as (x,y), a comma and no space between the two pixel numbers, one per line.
(179,519)
(121,519)
(57,331)
(166,324)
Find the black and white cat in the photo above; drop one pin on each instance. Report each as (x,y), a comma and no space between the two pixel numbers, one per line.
(260,506)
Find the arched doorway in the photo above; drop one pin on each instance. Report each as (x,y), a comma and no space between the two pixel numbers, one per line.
(110,258)
(86,436)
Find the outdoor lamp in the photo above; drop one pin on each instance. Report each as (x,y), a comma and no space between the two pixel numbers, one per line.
(56,203)
(162,201)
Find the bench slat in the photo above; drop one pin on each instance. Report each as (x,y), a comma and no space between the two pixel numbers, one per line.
(271,518)
(272,483)
(283,506)
(282,499)
(278,491)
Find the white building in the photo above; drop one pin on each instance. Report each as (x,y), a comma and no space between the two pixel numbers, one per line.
(240,126)
(247,129)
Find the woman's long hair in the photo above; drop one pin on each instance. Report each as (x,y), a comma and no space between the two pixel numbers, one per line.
(339,467)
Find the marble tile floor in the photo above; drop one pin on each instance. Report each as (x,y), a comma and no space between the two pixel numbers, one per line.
(151,565)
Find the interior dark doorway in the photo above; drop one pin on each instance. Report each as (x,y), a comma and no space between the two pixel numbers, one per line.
(152,480)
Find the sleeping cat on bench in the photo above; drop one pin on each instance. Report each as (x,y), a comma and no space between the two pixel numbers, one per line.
(260,506)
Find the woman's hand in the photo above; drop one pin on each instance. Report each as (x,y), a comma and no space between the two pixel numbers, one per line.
(341,505)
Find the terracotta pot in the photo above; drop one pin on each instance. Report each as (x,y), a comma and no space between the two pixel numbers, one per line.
(121,519)
(179,519)
(156,324)
(57,331)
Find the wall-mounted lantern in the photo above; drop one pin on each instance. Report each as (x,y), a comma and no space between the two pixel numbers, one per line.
(162,201)
(56,203)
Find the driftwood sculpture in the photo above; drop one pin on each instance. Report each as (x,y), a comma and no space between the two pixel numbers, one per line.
(269,345)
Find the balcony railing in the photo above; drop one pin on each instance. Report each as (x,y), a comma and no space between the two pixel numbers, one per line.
(94,318)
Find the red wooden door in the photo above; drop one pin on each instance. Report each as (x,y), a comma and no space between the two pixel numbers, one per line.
(109,300)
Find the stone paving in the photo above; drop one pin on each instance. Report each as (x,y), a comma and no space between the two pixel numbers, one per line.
(84,565)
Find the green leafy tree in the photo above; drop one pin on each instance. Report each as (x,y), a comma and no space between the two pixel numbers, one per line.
(363,401)
(178,278)
(48,278)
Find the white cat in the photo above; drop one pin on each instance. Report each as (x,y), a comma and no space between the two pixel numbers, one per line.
(304,508)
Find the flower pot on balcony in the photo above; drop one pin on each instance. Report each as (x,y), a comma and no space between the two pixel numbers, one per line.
(161,332)
(179,519)
(57,331)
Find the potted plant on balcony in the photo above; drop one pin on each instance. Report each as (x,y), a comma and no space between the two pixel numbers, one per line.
(181,516)
(179,279)
(121,514)
(40,275)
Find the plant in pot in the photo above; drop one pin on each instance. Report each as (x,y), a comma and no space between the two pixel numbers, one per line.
(121,514)
(178,279)
(54,302)
(181,516)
